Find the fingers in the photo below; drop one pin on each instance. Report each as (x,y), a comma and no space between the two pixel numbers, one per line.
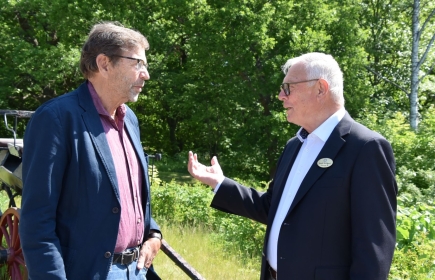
(148,263)
(214,161)
(193,156)
(140,261)
(190,163)
(145,257)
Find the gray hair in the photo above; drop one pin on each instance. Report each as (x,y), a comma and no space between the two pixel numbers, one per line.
(324,66)
(109,38)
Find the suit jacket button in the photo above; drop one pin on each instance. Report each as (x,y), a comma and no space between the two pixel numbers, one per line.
(107,255)
(115,210)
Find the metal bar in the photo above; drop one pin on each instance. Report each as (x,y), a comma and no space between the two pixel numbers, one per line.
(17,113)
(180,262)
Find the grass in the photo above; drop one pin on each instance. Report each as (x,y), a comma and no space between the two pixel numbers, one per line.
(196,246)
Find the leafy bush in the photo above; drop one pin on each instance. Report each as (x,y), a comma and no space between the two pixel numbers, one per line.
(416,261)
(182,203)
(414,151)
(413,220)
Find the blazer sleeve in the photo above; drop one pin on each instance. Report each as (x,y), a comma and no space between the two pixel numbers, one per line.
(44,161)
(373,211)
(247,202)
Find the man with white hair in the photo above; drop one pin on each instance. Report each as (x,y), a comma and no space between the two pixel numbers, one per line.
(330,209)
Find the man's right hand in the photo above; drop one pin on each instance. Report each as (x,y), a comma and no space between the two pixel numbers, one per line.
(209,175)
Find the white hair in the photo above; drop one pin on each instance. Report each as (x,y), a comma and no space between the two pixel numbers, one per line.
(321,66)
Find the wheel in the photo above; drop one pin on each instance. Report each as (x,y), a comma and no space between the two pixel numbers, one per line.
(10,241)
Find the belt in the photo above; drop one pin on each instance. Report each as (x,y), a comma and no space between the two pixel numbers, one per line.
(126,257)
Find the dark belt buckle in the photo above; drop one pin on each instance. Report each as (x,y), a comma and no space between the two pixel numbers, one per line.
(126,258)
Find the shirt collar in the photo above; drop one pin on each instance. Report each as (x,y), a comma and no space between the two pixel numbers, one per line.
(326,128)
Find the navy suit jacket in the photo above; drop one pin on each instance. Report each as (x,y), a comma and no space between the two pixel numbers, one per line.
(341,224)
(70,203)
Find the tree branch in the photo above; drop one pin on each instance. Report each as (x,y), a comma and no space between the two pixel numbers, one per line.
(387,80)
(428,72)
(423,58)
(427,20)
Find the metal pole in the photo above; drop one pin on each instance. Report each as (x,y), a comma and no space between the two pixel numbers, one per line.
(180,262)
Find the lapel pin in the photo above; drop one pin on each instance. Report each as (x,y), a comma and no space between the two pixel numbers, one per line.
(324,162)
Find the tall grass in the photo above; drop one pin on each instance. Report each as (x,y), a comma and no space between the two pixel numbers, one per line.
(198,247)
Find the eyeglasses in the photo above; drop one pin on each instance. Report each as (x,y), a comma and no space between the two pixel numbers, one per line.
(286,86)
(140,63)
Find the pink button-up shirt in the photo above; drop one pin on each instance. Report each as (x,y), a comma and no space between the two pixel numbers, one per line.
(128,173)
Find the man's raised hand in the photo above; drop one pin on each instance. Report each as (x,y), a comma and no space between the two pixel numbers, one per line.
(209,175)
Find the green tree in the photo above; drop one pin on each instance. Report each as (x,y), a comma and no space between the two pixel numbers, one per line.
(422,42)
(400,55)
(215,67)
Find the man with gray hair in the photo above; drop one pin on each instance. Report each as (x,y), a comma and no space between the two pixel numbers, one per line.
(330,209)
(86,210)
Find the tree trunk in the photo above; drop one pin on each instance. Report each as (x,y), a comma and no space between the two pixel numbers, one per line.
(415,66)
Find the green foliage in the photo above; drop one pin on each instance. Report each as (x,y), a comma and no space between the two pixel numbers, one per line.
(414,219)
(215,66)
(241,233)
(414,257)
(417,262)
(414,150)
(183,204)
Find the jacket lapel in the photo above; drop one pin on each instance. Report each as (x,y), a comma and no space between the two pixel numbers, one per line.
(92,121)
(280,179)
(329,150)
(135,140)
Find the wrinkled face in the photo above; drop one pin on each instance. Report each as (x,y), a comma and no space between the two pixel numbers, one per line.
(301,103)
(129,75)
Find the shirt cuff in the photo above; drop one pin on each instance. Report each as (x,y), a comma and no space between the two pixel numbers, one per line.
(218,185)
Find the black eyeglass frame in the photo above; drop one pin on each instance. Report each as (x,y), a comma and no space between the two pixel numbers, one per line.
(140,62)
(286,86)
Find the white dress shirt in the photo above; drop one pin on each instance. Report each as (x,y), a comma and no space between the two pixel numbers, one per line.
(309,151)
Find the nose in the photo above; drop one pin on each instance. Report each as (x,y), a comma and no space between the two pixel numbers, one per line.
(144,74)
(281,95)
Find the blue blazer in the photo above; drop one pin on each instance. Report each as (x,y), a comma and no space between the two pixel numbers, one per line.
(70,203)
(341,223)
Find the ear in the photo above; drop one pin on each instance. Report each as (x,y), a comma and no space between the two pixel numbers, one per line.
(103,63)
(323,88)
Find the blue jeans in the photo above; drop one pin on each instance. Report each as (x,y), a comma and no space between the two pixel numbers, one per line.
(126,272)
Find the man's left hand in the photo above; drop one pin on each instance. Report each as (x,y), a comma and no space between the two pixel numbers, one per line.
(148,252)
